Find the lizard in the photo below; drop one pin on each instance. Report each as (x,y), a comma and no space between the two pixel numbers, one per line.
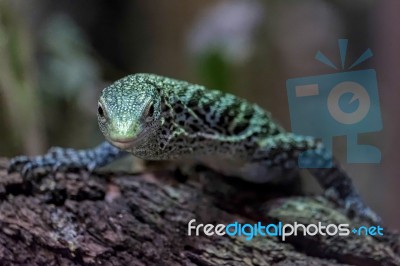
(160,118)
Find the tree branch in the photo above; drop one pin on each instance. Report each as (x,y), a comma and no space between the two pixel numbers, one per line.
(123,219)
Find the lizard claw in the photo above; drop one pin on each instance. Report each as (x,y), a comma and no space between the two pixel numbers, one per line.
(56,167)
(27,169)
(17,163)
(91,166)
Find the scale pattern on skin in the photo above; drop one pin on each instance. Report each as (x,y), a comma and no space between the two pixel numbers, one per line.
(159,118)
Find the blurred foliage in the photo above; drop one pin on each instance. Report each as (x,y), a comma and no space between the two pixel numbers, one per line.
(215,71)
(68,66)
(21,108)
(48,82)
(222,38)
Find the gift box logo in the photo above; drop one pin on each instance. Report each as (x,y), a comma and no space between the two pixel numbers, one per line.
(343,103)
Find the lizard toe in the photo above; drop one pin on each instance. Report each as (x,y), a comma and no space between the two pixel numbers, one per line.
(17,163)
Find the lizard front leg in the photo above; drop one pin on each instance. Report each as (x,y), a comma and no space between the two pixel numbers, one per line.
(60,158)
(282,152)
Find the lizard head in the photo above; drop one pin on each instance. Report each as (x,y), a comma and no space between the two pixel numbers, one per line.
(129,111)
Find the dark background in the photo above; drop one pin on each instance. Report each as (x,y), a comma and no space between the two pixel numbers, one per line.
(56,56)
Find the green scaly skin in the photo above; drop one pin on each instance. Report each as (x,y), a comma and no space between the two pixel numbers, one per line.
(159,118)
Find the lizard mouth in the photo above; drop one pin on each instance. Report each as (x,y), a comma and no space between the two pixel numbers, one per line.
(123,144)
(127,143)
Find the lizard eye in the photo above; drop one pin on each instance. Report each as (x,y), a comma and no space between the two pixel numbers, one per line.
(100,110)
(150,112)
(101,113)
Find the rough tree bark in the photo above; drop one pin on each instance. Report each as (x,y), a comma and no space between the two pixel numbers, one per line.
(109,218)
